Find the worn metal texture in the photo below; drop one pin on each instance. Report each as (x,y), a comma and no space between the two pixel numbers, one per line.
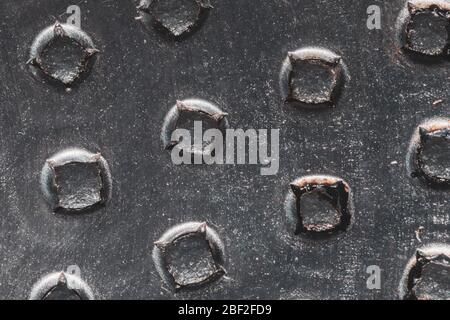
(233,59)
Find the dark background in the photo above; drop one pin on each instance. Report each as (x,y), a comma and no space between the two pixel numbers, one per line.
(234,61)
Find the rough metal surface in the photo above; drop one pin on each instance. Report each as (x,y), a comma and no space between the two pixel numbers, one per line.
(233,60)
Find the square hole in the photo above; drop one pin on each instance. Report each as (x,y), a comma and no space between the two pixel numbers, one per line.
(190,260)
(435,154)
(318,212)
(427,31)
(78,184)
(434,282)
(312,81)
